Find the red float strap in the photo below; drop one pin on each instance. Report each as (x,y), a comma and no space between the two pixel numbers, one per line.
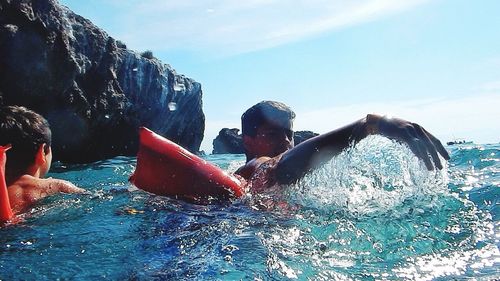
(5,209)
(165,168)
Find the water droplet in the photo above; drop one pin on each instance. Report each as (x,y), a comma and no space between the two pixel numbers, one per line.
(172,106)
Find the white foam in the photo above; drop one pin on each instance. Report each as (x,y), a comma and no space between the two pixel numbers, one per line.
(376,175)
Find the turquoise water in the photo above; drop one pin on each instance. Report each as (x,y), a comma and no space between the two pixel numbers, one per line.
(373,213)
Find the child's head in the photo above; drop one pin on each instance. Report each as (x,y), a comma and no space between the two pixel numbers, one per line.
(267,129)
(30,136)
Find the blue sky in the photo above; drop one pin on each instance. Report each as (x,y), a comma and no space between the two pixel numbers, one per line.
(436,63)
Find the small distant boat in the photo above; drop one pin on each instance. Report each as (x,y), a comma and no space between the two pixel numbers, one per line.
(458,141)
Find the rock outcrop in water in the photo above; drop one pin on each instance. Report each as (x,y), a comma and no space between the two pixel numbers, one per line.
(231,142)
(301,136)
(94,93)
(228,141)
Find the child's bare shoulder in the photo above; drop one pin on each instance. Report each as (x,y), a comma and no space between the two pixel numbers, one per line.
(58,185)
(26,190)
(46,186)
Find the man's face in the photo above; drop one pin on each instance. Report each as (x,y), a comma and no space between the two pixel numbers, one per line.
(270,140)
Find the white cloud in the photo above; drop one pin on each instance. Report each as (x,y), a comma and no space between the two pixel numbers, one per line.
(493,86)
(229,27)
(472,117)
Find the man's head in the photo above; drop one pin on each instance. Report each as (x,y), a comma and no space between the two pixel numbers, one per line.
(267,129)
(29,134)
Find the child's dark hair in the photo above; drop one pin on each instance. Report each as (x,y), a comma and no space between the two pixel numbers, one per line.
(25,130)
(264,112)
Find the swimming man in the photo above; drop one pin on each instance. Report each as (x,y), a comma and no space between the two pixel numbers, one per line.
(271,157)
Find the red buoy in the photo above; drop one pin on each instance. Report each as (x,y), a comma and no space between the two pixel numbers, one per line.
(5,209)
(165,168)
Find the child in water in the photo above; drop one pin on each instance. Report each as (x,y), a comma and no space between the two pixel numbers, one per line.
(29,158)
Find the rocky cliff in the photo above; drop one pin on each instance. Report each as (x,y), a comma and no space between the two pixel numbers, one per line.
(94,92)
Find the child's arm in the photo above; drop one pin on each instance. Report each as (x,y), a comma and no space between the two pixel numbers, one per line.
(57,185)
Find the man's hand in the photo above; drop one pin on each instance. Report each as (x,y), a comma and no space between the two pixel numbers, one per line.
(422,143)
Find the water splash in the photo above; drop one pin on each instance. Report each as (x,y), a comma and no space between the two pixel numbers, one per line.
(375,176)
(376,211)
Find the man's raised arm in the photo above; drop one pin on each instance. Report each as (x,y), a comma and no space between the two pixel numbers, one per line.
(296,162)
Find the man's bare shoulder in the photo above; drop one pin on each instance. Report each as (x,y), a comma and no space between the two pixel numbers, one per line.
(261,173)
(247,170)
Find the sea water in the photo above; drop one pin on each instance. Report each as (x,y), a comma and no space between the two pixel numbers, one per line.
(372,213)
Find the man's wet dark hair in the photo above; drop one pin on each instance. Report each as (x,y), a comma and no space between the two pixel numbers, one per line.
(25,130)
(265,112)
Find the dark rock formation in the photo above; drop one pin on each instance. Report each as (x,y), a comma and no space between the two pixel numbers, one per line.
(94,93)
(301,136)
(229,141)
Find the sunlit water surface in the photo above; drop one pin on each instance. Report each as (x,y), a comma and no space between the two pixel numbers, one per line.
(372,213)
